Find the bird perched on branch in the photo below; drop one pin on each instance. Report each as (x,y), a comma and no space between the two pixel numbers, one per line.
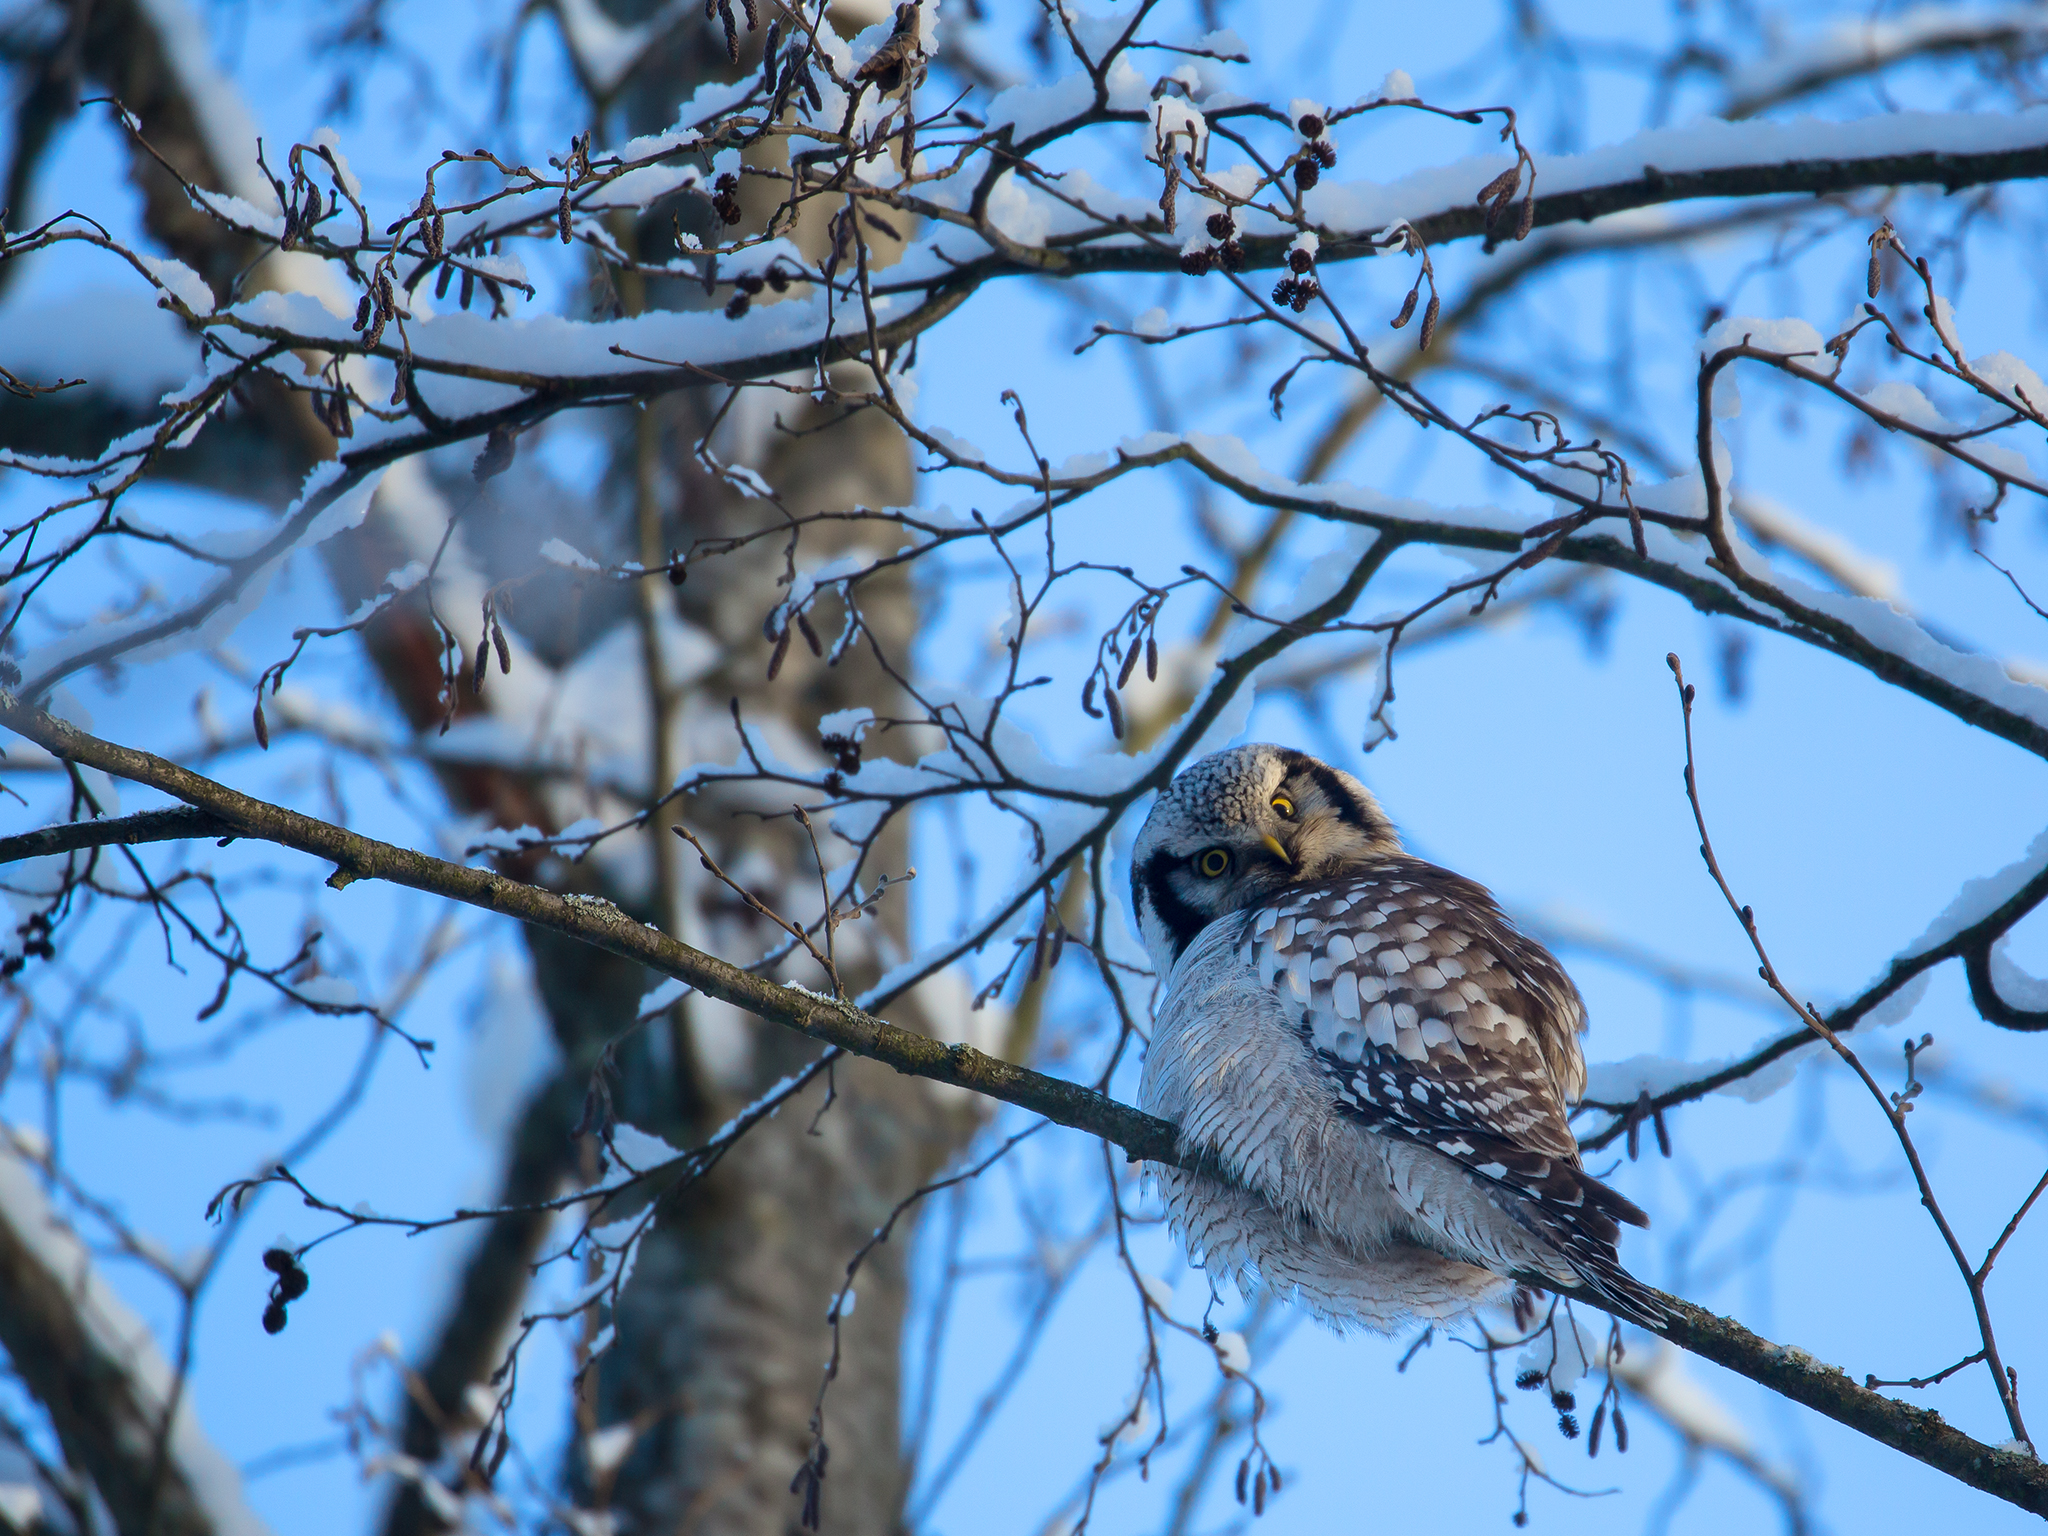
(1372,1065)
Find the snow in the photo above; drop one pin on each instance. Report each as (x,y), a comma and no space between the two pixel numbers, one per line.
(1034,108)
(1233,1354)
(1396,87)
(845,722)
(21,1505)
(508,266)
(571,348)
(1021,215)
(180,281)
(2022,991)
(116,338)
(1865,43)
(240,211)
(772,1095)
(479,1402)
(606,1448)
(1943,319)
(641,186)
(749,482)
(125,1341)
(562,552)
(1895,397)
(1563,1354)
(1794,337)
(1240,180)
(1698,146)
(329,992)
(1981,897)
(641,1150)
(2013,379)
(1899,1007)
(1663,1379)
(1622,1082)
(1884,628)
(1998,460)
(1821,547)
(603,50)
(1177,128)
(224,121)
(326,138)
(444,1501)
(1379,709)
(346,511)
(582,349)
(709,99)
(1129,1429)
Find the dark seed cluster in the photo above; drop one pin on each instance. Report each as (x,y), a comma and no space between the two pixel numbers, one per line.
(1299,288)
(35,941)
(1227,252)
(725,198)
(1295,292)
(291,1283)
(747,286)
(1317,154)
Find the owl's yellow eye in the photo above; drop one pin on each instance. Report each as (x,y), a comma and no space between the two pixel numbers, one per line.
(1212,863)
(1284,806)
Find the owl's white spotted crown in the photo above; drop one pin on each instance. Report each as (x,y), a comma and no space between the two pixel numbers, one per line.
(1236,829)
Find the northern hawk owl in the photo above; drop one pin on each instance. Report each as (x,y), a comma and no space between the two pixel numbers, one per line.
(1374,1062)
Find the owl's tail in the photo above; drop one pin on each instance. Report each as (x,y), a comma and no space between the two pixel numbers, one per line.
(1579,1219)
(1607,1285)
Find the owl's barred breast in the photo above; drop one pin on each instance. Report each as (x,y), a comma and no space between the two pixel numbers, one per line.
(1350,1223)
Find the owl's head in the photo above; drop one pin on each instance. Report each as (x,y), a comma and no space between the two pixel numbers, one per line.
(1237,829)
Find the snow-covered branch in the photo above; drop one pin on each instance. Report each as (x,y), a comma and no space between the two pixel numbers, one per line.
(117,1407)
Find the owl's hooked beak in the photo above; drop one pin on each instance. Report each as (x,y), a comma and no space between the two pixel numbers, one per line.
(1279,851)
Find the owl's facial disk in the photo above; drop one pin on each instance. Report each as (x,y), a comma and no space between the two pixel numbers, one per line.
(1237,829)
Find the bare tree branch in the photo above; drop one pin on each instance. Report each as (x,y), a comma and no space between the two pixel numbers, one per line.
(120,831)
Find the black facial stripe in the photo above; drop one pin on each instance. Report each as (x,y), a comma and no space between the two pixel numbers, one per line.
(1182,921)
(1348,810)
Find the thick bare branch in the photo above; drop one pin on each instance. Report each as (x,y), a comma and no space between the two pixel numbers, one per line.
(121,831)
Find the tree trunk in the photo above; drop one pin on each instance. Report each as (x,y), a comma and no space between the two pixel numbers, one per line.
(722,1333)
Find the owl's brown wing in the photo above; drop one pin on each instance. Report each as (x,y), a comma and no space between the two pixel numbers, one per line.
(1440,1024)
